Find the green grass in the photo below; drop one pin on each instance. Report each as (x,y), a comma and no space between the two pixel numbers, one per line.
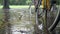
(1,6)
(21,6)
(17,6)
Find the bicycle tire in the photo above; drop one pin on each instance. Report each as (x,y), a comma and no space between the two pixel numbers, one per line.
(56,21)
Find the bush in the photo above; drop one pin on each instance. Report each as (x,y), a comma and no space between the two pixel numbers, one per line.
(28,2)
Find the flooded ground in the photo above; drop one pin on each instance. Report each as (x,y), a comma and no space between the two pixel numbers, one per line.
(22,20)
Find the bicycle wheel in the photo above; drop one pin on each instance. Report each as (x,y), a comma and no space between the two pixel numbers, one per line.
(52,18)
(49,19)
(56,19)
(50,24)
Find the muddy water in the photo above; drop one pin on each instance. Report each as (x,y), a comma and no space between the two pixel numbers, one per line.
(22,21)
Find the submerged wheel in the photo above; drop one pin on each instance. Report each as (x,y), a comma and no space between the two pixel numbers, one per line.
(52,19)
(55,21)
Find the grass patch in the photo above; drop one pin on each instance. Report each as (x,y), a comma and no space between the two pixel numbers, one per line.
(17,6)
(1,6)
(21,6)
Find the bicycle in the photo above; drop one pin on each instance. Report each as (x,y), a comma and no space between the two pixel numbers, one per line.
(46,8)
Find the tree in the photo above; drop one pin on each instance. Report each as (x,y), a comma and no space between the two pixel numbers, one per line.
(5,4)
(7,16)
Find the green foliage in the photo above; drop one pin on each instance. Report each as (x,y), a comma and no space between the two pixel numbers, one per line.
(1,2)
(22,2)
(17,2)
(58,2)
(28,1)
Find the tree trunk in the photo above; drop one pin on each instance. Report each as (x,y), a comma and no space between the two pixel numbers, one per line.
(5,4)
(6,16)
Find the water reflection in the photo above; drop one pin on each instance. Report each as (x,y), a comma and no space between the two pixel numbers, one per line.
(20,20)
